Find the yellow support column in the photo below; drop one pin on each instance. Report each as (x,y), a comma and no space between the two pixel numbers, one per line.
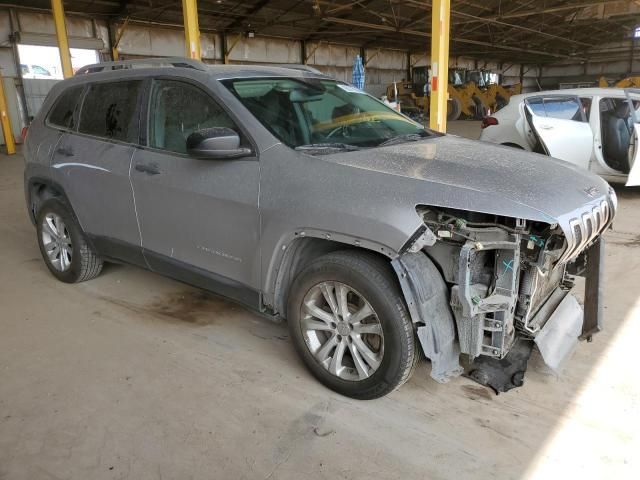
(440,12)
(191,29)
(63,41)
(6,123)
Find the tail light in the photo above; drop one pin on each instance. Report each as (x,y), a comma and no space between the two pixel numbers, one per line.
(488,121)
(24,133)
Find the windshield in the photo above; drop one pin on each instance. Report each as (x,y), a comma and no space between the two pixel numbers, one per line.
(319,113)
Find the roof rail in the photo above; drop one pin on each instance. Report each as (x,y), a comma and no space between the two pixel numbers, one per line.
(177,62)
(295,66)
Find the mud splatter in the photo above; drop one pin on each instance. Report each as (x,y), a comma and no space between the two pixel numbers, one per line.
(197,307)
(192,306)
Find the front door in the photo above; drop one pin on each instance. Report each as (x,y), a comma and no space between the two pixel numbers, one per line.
(560,126)
(198,218)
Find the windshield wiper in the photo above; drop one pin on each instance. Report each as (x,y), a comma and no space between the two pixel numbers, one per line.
(327,148)
(408,137)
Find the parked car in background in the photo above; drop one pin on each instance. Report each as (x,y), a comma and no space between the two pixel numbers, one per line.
(594,128)
(306,199)
(34,71)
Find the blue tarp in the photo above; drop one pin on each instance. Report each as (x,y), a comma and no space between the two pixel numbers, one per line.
(357,78)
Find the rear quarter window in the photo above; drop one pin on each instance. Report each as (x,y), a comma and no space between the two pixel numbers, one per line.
(65,110)
(110,110)
(563,108)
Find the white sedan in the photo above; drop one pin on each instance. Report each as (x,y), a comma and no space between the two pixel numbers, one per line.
(593,128)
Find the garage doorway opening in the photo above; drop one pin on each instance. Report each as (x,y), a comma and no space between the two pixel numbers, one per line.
(40,70)
(43,62)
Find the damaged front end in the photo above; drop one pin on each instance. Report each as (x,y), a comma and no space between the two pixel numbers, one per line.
(505,287)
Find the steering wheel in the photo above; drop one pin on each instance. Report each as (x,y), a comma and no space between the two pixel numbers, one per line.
(347,131)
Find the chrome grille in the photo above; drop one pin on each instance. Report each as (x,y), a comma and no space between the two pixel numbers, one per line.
(586,228)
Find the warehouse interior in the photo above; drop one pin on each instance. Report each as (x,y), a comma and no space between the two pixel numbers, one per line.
(135,375)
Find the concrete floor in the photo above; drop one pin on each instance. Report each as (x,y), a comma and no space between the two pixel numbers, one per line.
(132,375)
(464,128)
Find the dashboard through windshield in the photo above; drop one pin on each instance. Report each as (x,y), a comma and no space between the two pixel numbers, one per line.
(315,113)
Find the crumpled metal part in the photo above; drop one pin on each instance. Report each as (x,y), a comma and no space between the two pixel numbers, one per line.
(502,374)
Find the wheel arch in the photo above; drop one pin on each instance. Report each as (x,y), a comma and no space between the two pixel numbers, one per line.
(39,190)
(513,145)
(300,252)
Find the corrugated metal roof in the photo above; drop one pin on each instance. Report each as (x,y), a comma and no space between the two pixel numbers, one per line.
(514,30)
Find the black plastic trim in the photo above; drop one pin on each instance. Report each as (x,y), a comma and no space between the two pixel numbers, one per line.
(205,279)
(116,250)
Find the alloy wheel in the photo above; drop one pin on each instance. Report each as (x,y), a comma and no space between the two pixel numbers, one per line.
(56,241)
(342,331)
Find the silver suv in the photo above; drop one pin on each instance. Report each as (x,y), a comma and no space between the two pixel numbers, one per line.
(307,199)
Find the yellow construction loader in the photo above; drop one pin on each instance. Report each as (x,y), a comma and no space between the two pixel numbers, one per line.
(466,99)
(629,82)
(497,96)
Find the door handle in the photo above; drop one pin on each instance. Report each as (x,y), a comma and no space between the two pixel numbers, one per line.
(67,152)
(546,127)
(151,169)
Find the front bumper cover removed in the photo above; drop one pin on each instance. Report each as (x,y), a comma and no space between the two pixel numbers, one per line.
(565,323)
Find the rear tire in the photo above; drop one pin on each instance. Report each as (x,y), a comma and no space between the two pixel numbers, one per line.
(454,109)
(63,245)
(353,352)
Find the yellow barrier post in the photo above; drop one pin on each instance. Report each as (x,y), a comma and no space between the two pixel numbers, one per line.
(440,12)
(63,41)
(6,122)
(191,29)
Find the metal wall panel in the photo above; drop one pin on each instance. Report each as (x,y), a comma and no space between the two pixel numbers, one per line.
(7,63)
(386,59)
(332,54)
(43,23)
(163,42)
(264,50)
(5,27)
(35,91)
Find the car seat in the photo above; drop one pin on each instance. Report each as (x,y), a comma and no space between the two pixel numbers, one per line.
(276,112)
(616,137)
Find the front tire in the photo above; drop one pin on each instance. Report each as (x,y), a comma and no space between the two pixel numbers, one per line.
(350,325)
(63,246)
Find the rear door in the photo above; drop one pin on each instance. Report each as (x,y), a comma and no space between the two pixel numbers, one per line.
(92,164)
(559,124)
(195,215)
(633,180)
(61,120)
(633,97)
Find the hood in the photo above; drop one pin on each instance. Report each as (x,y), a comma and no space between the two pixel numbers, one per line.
(450,171)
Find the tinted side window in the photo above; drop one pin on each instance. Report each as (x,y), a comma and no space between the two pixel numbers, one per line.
(563,108)
(65,111)
(110,110)
(177,110)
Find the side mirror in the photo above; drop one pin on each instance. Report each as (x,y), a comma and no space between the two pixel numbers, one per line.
(216,143)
